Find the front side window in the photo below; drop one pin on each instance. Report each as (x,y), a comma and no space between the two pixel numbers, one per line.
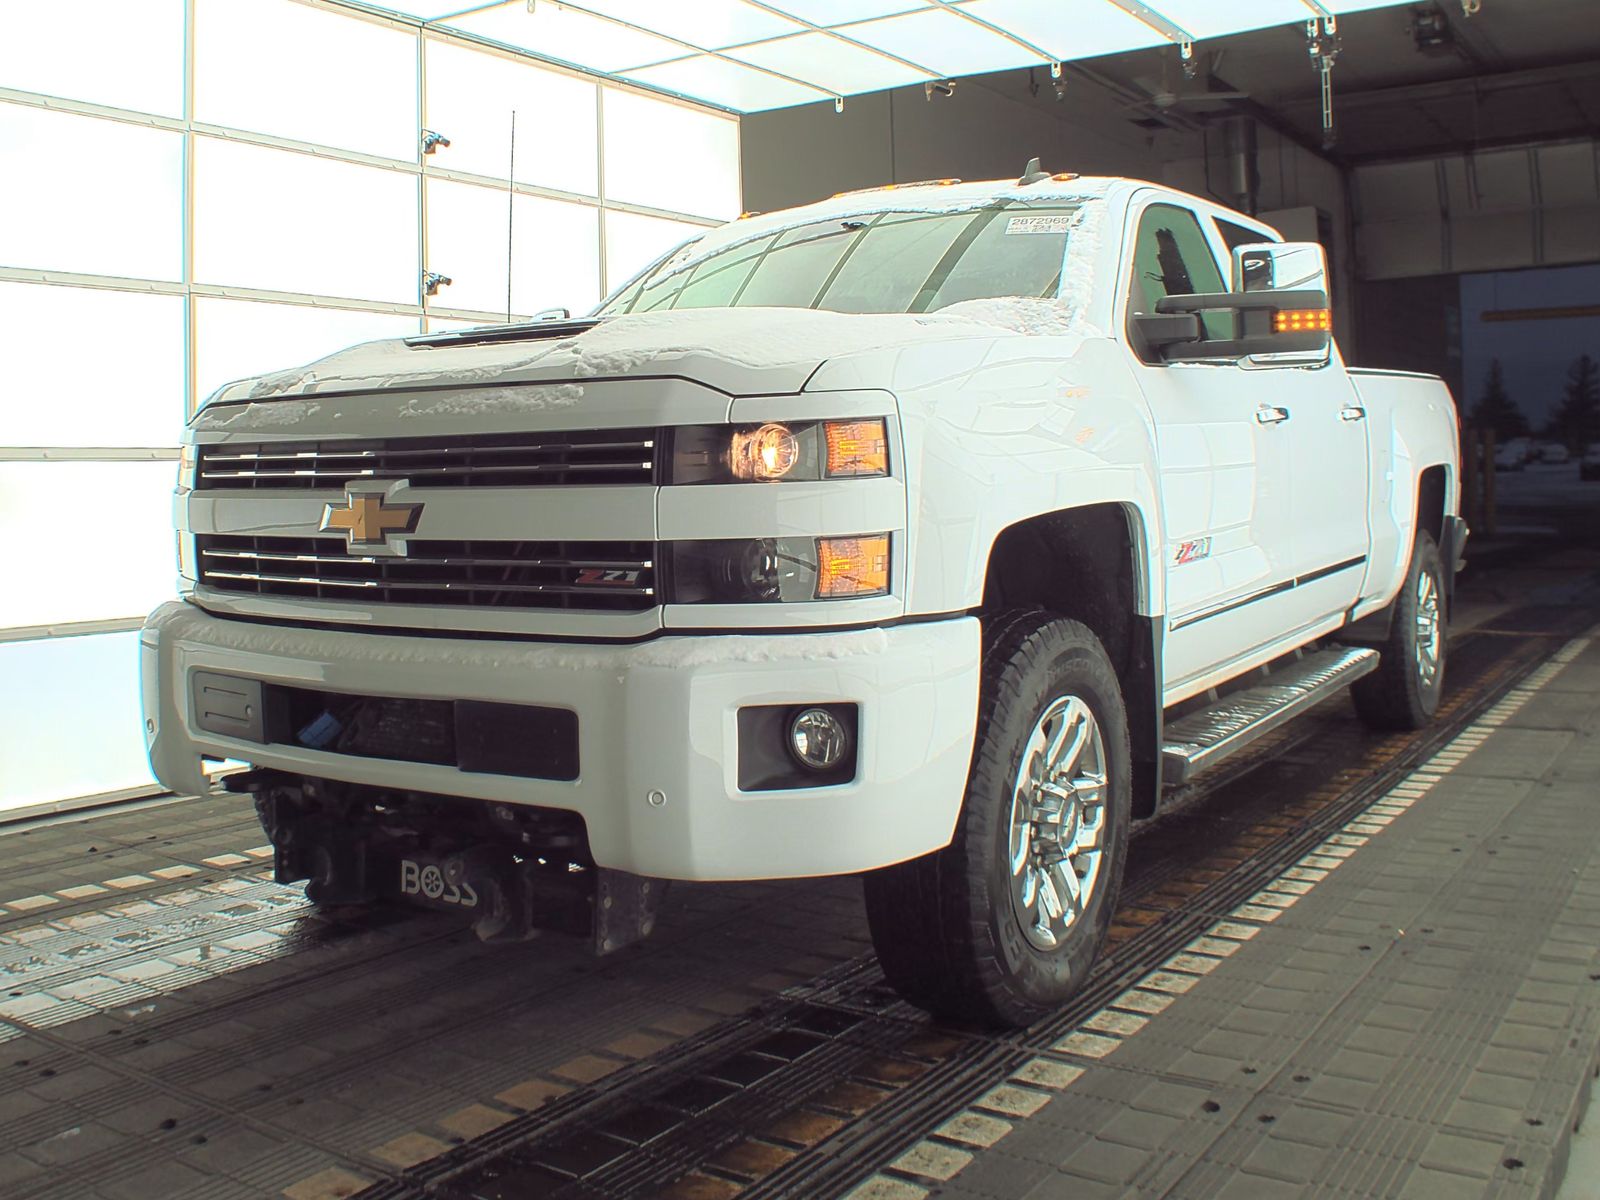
(1171,257)
(886,262)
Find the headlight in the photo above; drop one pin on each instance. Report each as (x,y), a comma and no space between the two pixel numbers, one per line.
(768,453)
(186,461)
(779,570)
(778,451)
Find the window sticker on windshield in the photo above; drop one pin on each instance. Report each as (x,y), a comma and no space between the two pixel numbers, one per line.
(1045,224)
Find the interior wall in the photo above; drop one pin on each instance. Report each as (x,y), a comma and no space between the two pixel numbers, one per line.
(1491,210)
(993,124)
(1289,177)
(988,129)
(1412,325)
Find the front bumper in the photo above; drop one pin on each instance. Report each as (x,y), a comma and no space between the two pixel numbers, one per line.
(655,717)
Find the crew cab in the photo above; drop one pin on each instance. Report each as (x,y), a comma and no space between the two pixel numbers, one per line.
(931,532)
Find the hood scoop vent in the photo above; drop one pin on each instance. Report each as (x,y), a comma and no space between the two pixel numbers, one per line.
(527,331)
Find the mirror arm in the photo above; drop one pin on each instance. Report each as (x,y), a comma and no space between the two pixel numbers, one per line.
(1242,300)
(1160,331)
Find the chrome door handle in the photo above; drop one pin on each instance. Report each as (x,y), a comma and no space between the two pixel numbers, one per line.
(1271,414)
(1352,412)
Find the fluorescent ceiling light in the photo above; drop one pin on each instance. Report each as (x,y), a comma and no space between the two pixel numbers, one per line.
(843,68)
(563,32)
(751,55)
(835,12)
(708,24)
(726,83)
(1081,29)
(1209,18)
(943,41)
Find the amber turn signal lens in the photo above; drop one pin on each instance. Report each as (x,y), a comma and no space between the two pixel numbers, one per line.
(857,448)
(852,566)
(765,454)
(1302,320)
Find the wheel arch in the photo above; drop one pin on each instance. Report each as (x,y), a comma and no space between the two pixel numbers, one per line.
(1433,492)
(1094,564)
(1432,514)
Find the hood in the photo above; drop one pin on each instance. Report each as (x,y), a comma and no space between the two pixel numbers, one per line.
(748,351)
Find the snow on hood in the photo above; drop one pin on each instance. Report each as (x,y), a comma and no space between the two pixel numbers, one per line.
(789,343)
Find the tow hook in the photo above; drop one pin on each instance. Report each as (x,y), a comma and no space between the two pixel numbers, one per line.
(502,912)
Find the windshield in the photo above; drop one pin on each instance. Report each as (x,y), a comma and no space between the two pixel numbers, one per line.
(887,262)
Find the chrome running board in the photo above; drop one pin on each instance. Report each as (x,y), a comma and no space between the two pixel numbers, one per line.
(1206,737)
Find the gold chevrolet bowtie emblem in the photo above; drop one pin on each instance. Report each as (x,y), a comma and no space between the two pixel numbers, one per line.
(367,521)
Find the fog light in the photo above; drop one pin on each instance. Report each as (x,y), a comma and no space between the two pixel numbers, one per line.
(818,739)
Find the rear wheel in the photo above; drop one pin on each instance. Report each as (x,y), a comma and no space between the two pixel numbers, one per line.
(1403,693)
(1003,924)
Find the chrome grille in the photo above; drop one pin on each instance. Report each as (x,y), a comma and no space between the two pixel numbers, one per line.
(583,457)
(590,576)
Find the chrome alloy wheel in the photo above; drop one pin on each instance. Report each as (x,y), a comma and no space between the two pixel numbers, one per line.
(1429,629)
(1058,821)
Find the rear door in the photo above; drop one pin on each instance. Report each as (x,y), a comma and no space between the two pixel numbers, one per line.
(1328,429)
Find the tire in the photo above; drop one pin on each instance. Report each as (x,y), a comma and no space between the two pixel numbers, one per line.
(1403,693)
(954,931)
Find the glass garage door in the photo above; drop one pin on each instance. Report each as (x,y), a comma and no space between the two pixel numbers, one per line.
(174,218)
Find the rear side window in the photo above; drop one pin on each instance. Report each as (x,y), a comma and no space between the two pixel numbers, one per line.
(1237,235)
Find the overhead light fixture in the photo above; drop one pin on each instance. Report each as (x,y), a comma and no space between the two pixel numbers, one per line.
(1431,32)
(944,87)
(1322,44)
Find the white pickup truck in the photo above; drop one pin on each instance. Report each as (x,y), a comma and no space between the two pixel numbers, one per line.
(927,532)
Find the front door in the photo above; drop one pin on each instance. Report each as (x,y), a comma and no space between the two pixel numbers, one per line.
(1226,476)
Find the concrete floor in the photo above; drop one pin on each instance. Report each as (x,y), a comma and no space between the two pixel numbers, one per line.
(1369,1016)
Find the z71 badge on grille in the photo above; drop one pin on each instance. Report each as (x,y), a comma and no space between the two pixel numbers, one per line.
(366,520)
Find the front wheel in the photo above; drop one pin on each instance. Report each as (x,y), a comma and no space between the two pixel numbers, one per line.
(1003,925)
(1403,693)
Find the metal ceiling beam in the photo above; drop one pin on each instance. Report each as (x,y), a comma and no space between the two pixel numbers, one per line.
(832,33)
(692,50)
(1475,45)
(1162,24)
(1045,56)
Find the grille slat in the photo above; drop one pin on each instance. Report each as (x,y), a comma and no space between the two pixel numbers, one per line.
(402,585)
(415,561)
(438,450)
(579,576)
(585,457)
(415,472)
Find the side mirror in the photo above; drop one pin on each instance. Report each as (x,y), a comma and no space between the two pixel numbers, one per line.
(1290,328)
(1280,267)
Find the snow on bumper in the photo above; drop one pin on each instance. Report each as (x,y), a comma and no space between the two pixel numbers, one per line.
(657,717)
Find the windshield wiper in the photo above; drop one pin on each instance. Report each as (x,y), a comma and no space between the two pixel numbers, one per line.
(525,331)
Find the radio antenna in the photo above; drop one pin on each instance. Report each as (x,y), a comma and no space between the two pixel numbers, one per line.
(511,195)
